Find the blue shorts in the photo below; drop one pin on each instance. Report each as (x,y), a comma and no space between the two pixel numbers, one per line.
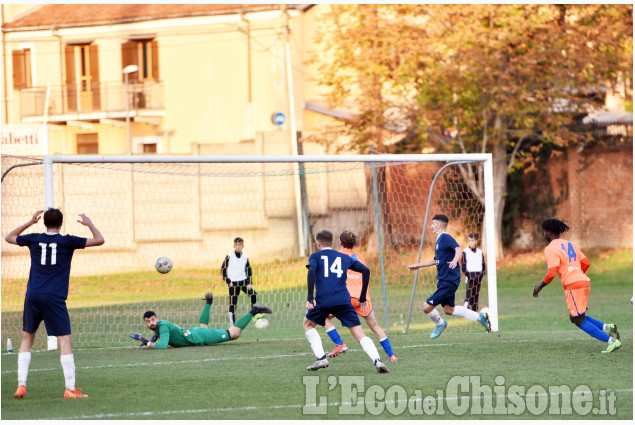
(50,308)
(444,295)
(346,313)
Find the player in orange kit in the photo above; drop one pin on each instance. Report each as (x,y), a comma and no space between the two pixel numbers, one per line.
(565,259)
(348,240)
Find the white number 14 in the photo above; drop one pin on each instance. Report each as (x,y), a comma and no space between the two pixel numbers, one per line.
(336,267)
(53,253)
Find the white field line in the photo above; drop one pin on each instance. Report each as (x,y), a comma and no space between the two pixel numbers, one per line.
(299,406)
(277,356)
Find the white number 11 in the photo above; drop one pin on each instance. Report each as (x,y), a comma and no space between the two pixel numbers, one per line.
(53,253)
(336,267)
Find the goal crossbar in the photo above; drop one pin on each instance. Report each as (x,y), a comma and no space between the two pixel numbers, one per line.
(266,158)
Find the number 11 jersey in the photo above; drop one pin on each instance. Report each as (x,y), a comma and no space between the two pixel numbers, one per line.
(51,255)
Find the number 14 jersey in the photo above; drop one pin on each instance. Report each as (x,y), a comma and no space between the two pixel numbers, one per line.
(330,276)
(567,257)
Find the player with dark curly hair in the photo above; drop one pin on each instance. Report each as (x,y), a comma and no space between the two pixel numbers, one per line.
(565,259)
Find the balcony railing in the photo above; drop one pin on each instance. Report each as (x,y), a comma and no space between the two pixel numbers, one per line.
(99,97)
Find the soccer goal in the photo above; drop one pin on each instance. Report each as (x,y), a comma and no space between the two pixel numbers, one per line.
(190,209)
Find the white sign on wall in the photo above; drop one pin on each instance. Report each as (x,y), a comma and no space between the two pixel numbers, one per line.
(24,139)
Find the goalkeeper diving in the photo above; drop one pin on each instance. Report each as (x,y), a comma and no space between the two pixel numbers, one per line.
(167,333)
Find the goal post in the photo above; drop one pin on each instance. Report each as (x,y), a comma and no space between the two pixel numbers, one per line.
(190,208)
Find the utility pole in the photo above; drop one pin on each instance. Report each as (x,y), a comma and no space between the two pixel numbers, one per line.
(294,136)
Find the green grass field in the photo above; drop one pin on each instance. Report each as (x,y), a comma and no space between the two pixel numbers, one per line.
(537,352)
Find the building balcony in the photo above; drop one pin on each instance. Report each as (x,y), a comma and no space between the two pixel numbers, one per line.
(92,103)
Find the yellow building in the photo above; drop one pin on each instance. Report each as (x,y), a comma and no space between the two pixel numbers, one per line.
(77,78)
(183,79)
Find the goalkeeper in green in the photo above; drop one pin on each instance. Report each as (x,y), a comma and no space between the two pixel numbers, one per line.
(167,333)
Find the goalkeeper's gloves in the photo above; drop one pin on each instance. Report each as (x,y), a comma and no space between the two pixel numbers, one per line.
(139,338)
(153,339)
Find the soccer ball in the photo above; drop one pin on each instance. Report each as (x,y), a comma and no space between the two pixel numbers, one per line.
(261,323)
(163,265)
(485,310)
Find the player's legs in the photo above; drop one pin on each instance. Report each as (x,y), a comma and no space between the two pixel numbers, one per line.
(588,327)
(577,305)
(68,365)
(469,287)
(349,318)
(477,291)
(471,292)
(609,328)
(244,320)
(369,347)
(32,315)
(58,323)
(24,360)
(445,295)
(203,320)
(433,314)
(371,320)
(233,300)
(466,313)
(249,290)
(234,332)
(209,336)
(461,311)
(314,317)
(27,342)
(331,331)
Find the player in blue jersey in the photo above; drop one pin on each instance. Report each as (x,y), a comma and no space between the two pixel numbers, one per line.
(327,275)
(447,254)
(47,290)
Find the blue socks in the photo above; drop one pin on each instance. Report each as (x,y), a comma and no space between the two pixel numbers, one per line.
(335,337)
(595,323)
(387,348)
(591,328)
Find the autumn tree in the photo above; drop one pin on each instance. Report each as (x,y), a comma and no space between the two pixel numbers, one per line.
(496,78)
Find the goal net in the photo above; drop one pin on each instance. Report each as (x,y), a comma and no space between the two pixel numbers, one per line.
(190,209)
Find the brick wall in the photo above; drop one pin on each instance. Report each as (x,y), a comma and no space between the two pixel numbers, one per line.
(593,194)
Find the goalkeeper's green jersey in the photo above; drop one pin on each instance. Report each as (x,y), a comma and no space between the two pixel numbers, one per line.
(170,334)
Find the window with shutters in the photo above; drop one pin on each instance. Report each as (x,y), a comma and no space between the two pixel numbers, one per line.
(82,77)
(22,69)
(87,144)
(144,54)
(84,68)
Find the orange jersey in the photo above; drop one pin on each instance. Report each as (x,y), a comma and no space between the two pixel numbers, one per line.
(567,258)
(353,278)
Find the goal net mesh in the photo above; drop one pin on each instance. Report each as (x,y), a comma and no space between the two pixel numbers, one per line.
(191,213)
